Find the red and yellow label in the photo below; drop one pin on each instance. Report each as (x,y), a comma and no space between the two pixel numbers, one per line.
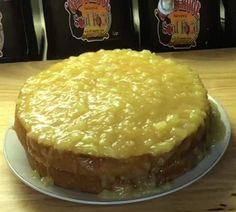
(89,20)
(179,28)
(185,28)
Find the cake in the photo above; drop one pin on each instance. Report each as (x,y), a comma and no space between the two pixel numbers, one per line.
(113,118)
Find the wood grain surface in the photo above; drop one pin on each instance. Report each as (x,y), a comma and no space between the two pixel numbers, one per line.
(214,192)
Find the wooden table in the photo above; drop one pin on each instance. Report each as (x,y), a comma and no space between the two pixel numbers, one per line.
(214,192)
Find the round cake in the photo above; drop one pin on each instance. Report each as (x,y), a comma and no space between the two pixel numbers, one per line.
(113,118)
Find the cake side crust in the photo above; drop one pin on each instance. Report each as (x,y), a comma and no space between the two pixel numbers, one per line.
(94,174)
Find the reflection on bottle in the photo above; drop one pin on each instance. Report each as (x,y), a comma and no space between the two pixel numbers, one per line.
(166,6)
(1,36)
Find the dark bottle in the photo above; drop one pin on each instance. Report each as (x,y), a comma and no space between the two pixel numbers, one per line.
(76,26)
(168,25)
(230,22)
(17,36)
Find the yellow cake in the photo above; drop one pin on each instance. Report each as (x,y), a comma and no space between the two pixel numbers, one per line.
(111,118)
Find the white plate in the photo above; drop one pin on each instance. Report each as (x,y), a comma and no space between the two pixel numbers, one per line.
(17,161)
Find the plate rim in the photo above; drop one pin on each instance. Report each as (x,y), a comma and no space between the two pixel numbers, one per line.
(226,139)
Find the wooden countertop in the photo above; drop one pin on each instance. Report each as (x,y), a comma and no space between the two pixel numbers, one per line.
(214,192)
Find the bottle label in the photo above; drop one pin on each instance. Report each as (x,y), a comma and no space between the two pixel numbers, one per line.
(1,36)
(89,20)
(178,23)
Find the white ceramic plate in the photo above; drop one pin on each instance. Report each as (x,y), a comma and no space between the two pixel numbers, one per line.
(17,161)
